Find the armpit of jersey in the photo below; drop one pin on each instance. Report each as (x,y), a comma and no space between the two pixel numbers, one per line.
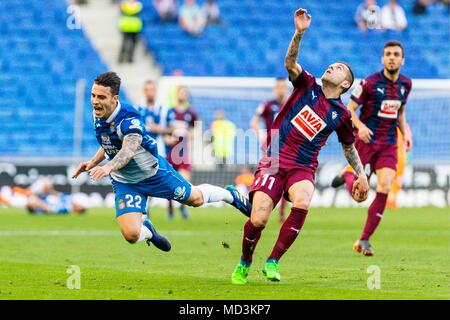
(304,80)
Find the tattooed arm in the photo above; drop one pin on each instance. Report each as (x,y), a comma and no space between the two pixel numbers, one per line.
(130,145)
(352,157)
(360,186)
(302,21)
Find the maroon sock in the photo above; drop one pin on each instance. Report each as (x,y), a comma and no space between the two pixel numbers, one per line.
(249,241)
(288,232)
(375,213)
(349,178)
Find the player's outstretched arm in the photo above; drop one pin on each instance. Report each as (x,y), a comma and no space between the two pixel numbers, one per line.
(130,145)
(302,21)
(361,185)
(88,165)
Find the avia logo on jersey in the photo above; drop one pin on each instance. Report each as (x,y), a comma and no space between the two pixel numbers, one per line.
(308,123)
(389,109)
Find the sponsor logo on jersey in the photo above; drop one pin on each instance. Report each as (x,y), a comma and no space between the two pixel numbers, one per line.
(105,139)
(334,115)
(179,192)
(389,109)
(402,90)
(308,123)
(135,124)
(380,90)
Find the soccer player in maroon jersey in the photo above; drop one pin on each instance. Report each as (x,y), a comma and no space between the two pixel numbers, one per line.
(268,111)
(382,96)
(309,116)
(180,119)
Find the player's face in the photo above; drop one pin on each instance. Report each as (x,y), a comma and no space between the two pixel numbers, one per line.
(103,101)
(150,91)
(336,75)
(183,95)
(392,59)
(280,89)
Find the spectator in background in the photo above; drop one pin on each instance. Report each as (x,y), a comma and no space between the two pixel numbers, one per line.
(420,7)
(393,17)
(368,16)
(212,12)
(223,133)
(130,24)
(192,18)
(167,9)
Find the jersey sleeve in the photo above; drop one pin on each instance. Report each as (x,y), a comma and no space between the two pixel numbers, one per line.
(131,125)
(360,93)
(345,129)
(304,80)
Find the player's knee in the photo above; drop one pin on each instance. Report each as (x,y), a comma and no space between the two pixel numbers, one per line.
(301,203)
(196,198)
(260,216)
(131,236)
(384,186)
(258,221)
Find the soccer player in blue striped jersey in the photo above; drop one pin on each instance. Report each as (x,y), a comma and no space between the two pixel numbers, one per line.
(136,169)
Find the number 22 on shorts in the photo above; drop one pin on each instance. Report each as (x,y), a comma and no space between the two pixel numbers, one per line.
(136,199)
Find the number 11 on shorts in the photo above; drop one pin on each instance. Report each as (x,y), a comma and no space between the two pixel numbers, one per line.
(266,177)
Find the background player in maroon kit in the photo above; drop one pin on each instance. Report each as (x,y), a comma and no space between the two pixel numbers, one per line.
(267,111)
(383,98)
(288,168)
(181,119)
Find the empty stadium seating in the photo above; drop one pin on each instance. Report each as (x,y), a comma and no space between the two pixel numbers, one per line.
(256,34)
(41,60)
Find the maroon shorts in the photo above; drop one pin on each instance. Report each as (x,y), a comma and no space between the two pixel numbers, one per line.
(374,157)
(277,183)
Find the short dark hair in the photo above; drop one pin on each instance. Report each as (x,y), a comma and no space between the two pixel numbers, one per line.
(109,79)
(280,79)
(394,43)
(150,82)
(350,76)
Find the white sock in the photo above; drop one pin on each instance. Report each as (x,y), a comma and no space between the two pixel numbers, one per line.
(215,194)
(145,234)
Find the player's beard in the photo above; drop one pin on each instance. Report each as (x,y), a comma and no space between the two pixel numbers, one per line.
(392,71)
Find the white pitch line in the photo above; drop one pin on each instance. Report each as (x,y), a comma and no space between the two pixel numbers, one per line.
(189,233)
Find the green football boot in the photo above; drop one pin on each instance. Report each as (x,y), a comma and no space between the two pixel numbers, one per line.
(271,270)
(240,273)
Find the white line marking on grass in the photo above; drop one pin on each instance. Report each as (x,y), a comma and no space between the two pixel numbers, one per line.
(189,233)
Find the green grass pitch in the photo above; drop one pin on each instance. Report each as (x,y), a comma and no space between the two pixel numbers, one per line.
(411,250)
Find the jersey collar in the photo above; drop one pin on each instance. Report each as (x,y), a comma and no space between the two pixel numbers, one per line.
(114,114)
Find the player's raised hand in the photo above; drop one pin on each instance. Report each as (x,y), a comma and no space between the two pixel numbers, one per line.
(360,189)
(82,167)
(302,20)
(99,172)
(364,133)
